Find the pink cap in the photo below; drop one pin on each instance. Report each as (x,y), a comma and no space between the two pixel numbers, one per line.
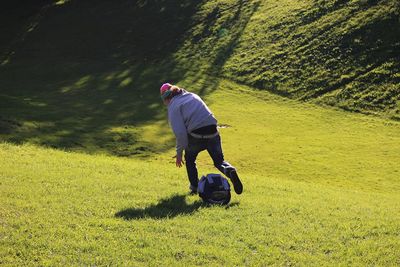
(165,87)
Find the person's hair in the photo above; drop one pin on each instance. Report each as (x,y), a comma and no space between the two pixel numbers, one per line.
(175,90)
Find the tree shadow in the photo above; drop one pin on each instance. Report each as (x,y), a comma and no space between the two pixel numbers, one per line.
(368,47)
(230,23)
(86,76)
(351,62)
(170,207)
(236,25)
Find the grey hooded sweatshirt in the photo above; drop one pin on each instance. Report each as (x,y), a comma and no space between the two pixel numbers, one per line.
(188,112)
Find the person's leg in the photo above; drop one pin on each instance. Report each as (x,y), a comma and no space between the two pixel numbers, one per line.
(214,148)
(191,152)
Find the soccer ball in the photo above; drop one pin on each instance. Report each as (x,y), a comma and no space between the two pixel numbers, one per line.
(214,189)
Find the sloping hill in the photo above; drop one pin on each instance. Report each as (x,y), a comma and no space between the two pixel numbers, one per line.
(84,75)
(321,185)
(337,52)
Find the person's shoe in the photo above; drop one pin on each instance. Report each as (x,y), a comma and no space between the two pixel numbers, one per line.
(193,190)
(237,184)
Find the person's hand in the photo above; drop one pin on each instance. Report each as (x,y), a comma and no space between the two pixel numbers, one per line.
(179,162)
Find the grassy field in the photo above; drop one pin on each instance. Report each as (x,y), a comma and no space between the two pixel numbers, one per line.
(86,169)
(321,188)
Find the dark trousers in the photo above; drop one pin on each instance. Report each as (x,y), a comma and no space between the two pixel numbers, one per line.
(214,149)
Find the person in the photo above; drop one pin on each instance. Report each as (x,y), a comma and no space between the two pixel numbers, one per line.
(195,129)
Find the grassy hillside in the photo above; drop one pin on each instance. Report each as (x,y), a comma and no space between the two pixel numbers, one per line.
(82,77)
(321,188)
(85,75)
(336,52)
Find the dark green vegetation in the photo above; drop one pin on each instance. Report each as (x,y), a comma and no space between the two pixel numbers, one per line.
(75,71)
(84,75)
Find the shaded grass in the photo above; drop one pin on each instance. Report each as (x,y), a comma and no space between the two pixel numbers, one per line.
(85,78)
(166,208)
(82,115)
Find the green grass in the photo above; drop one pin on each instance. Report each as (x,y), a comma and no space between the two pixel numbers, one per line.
(86,169)
(93,87)
(321,188)
(332,52)
(342,53)
(84,76)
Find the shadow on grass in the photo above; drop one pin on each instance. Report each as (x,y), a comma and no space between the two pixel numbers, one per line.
(173,206)
(85,75)
(229,23)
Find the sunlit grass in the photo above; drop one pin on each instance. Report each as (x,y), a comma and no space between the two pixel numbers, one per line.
(321,188)
(86,169)
(61,2)
(339,53)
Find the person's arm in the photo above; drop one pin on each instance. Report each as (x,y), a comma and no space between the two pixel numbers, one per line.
(179,129)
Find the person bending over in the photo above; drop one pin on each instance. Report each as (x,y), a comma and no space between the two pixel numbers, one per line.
(195,129)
